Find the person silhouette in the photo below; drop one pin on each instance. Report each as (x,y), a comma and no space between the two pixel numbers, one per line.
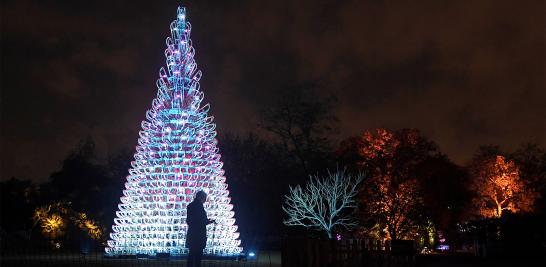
(197,221)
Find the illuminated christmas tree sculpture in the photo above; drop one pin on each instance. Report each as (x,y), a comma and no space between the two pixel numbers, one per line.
(176,156)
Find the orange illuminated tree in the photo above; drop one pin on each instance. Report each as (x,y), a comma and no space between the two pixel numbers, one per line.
(499,187)
(394,205)
(391,198)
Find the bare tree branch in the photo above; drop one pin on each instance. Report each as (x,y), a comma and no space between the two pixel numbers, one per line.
(324,203)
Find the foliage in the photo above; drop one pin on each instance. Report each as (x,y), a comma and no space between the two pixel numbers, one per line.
(427,235)
(397,207)
(531,161)
(348,154)
(446,196)
(392,196)
(499,187)
(54,219)
(88,225)
(87,183)
(80,180)
(325,203)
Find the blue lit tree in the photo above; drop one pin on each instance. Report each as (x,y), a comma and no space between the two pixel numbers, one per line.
(176,156)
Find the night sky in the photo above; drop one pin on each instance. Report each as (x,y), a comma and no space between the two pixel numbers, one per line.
(466,73)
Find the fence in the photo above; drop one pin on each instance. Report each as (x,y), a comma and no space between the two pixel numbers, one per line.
(295,252)
(307,252)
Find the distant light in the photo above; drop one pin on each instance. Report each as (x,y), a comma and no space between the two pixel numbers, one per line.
(443,247)
(251,254)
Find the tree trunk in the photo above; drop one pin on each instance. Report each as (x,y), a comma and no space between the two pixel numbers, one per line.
(499,210)
(393,235)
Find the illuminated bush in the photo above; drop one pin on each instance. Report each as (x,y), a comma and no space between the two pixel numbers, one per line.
(54,220)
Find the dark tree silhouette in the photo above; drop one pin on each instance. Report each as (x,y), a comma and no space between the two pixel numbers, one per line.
(302,121)
(86,184)
(258,175)
(531,160)
(17,200)
(347,154)
(446,197)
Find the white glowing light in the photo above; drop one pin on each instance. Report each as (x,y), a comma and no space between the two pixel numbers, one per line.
(170,168)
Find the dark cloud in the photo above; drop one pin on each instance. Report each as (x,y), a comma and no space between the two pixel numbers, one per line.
(464,72)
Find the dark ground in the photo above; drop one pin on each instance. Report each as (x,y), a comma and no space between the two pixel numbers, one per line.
(265,259)
(471,261)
